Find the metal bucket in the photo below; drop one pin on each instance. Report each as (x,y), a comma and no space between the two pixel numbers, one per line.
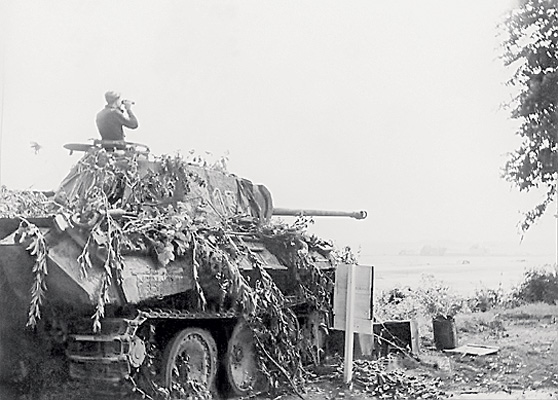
(445,332)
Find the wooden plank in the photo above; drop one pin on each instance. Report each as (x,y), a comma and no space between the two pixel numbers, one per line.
(474,349)
(363,291)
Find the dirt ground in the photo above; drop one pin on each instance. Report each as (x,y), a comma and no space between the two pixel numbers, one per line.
(525,366)
(527,359)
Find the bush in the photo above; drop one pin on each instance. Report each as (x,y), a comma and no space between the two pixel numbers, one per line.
(438,299)
(396,304)
(486,299)
(539,285)
(432,298)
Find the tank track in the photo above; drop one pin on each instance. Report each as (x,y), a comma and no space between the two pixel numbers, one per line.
(106,360)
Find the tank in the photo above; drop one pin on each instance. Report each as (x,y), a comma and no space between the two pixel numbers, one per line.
(152,272)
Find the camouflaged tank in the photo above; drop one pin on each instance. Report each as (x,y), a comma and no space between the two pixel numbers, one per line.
(147,265)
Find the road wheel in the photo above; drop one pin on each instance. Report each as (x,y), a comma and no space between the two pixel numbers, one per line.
(241,366)
(190,359)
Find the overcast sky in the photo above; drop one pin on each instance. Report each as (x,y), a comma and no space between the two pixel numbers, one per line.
(388,106)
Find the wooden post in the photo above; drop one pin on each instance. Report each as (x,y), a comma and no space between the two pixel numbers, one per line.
(349,328)
(3,77)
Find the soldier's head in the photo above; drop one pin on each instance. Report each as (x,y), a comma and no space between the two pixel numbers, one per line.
(112,98)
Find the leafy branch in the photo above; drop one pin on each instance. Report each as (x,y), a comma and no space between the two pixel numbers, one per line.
(24,203)
(31,234)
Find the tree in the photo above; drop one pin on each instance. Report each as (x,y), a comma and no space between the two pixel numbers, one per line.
(531,48)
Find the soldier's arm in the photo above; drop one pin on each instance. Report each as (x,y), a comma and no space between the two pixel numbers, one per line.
(130,120)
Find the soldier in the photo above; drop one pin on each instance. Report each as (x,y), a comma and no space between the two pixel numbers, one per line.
(116,114)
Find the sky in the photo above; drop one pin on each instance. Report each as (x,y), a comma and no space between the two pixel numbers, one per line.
(391,107)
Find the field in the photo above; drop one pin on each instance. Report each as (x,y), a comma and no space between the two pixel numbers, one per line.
(464,273)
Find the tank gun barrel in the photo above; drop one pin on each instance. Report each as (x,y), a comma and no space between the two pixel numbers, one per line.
(318,213)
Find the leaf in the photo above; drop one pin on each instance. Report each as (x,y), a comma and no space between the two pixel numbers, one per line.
(99,237)
(166,256)
(33,247)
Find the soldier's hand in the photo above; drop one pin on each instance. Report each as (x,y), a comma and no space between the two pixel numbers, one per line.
(127,104)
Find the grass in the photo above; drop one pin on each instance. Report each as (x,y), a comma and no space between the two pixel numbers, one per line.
(531,311)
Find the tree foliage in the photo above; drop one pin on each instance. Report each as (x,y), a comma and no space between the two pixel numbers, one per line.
(530,47)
